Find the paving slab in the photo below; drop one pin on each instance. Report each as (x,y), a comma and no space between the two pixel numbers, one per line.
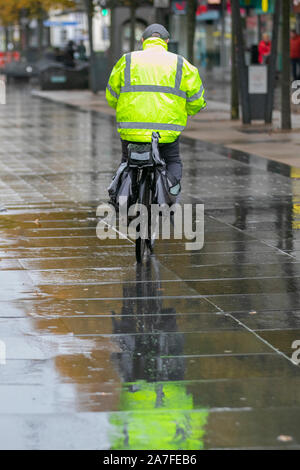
(191,351)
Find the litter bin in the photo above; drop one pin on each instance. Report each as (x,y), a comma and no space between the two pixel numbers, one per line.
(258,90)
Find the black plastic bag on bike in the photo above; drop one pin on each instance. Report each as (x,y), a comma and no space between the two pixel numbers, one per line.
(155,150)
(167,188)
(121,185)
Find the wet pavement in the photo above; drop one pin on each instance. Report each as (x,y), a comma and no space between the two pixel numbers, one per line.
(192,351)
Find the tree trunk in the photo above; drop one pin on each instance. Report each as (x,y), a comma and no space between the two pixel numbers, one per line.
(259,29)
(90,11)
(112,49)
(6,38)
(286,71)
(160,15)
(27,37)
(48,36)
(272,68)
(235,112)
(241,65)
(191,26)
(223,32)
(40,33)
(132,24)
(23,37)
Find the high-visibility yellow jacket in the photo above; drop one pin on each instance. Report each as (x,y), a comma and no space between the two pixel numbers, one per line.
(154,90)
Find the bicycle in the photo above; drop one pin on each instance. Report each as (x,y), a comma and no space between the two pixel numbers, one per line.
(144,180)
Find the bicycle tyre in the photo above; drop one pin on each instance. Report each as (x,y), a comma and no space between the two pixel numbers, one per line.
(144,198)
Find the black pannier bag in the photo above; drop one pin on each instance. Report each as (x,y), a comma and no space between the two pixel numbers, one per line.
(121,184)
(140,155)
(125,189)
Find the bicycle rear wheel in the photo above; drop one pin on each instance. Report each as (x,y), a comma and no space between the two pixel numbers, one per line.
(144,198)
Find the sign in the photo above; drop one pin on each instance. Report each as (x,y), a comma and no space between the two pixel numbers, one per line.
(261,6)
(258,79)
(49,23)
(179,7)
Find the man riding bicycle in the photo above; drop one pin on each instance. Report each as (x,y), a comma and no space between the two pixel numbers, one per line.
(155,90)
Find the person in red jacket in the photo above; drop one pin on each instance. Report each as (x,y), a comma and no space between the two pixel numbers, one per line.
(295,53)
(264,49)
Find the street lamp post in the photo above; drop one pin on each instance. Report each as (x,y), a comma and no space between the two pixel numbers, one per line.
(241,65)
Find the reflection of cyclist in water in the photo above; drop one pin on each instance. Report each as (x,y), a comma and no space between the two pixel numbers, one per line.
(153,328)
(156,410)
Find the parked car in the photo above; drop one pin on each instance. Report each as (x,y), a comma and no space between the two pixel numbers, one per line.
(21,69)
(59,77)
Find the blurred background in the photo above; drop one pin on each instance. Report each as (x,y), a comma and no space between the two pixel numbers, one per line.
(73,44)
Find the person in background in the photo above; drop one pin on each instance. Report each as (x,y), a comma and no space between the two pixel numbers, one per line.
(295,53)
(58,55)
(81,49)
(264,49)
(69,55)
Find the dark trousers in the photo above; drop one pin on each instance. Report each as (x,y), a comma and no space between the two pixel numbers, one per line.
(169,152)
(296,67)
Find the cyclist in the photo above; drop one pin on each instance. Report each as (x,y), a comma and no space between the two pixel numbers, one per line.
(155,90)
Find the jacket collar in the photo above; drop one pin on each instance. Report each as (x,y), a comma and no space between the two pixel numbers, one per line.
(155,42)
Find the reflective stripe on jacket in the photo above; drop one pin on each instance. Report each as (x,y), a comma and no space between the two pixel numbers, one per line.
(154,90)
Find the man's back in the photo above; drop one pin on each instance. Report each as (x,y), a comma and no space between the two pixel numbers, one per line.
(154,89)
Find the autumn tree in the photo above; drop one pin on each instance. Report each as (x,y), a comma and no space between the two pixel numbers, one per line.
(12,10)
(9,12)
(9,15)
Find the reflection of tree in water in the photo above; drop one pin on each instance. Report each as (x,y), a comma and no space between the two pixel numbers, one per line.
(156,409)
